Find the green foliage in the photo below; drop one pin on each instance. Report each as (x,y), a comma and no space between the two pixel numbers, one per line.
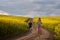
(9,28)
(12,26)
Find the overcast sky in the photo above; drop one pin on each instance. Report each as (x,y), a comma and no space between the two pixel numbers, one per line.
(30,7)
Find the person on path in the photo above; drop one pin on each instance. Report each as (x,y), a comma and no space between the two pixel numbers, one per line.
(39,26)
(30,22)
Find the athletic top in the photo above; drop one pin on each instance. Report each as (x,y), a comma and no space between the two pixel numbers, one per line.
(39,23)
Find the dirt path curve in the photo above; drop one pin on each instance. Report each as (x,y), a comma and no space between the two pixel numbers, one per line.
(45,35)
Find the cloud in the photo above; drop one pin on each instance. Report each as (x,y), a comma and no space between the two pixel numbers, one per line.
(31,7)
(3,13)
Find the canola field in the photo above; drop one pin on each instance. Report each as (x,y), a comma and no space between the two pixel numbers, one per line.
(12,25)
(51,23)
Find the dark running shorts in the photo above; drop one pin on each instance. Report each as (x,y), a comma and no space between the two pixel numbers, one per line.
(30,25)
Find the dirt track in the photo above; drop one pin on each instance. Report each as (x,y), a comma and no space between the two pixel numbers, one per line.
(45,35)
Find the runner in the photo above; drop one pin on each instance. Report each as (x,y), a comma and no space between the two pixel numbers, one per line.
(39,26)
(29,22)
